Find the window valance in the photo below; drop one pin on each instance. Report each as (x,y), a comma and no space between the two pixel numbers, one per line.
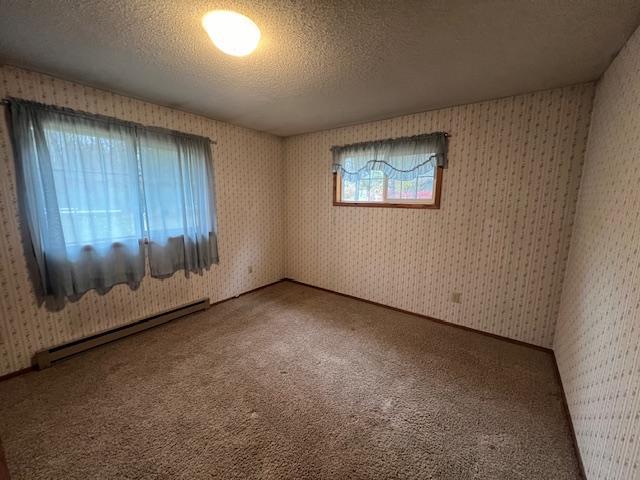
(403,158)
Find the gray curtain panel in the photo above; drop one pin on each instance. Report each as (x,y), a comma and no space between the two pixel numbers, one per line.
(404,158)
(177,177)
(82,202)
(93,189)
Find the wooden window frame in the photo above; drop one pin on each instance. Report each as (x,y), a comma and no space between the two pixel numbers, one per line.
(337,185)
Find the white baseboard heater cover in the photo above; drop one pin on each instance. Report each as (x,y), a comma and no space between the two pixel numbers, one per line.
(44,358)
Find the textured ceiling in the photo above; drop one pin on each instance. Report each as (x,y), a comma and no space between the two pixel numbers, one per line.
(320,64)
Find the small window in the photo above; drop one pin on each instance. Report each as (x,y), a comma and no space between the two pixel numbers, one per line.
(378,189)
(405,172)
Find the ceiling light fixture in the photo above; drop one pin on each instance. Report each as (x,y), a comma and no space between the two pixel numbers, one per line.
(231,32)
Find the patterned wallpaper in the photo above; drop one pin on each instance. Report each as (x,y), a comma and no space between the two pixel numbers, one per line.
(249,185)
(501,237)
(598,336)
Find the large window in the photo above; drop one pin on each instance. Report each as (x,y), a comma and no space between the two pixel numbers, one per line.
(405,172)
(102,198)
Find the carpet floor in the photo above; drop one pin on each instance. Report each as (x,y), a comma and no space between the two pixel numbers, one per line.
(292,382)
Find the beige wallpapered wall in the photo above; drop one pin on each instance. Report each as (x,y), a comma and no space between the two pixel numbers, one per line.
(501,237)
(598,336)
(249,186)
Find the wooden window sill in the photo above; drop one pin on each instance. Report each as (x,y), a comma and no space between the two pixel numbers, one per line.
(386,205)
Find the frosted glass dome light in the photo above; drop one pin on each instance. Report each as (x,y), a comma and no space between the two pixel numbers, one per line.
(231,32)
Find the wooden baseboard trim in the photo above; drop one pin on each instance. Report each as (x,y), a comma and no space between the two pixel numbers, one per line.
(23,371)
(248,292)
(568,414)
(426,317)
(17,373)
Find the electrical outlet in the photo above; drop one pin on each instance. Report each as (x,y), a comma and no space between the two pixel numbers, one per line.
(250,269)
(456,297)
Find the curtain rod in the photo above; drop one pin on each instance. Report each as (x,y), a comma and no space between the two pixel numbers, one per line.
(385,140)
(97,116)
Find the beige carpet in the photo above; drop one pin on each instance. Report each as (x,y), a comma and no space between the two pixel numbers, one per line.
(292,382)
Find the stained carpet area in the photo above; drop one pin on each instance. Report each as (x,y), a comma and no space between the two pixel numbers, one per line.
(292,382)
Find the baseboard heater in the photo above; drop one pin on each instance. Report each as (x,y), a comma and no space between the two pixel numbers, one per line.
(44,358)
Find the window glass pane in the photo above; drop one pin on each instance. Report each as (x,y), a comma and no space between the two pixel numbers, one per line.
(369,188)
(409,189)
(97,184)
(402,189)
(425,188)
(363,190)
(163,192)
(431,172)
(348,191)
(394,189)
(376,191)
